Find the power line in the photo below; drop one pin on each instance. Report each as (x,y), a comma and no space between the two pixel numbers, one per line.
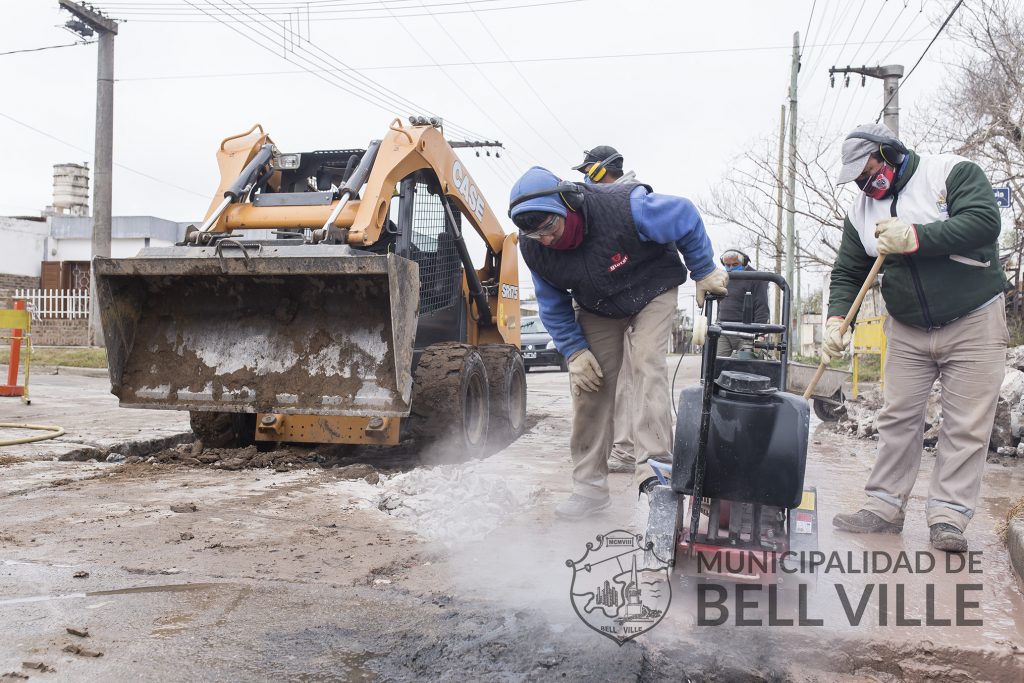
(911,72)
(333,15)
(288,6)
(525,80)
(807,31)
(88,151)
(454,81)
(380,101)
(491,62)
(384,92)
(499,91)
(48,47)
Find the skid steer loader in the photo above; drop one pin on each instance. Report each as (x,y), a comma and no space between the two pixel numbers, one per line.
(361,319)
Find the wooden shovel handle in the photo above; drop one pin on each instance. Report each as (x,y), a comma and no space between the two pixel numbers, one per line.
(850,315)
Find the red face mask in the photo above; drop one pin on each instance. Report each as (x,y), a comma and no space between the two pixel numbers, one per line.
(572,235)
(879,184)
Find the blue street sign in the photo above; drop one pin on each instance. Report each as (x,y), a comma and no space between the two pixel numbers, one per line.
(1002,197)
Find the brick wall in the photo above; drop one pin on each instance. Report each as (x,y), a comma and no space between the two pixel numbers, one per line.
(55,332)
(8,283)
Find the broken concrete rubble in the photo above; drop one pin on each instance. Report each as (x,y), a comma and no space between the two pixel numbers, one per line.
(859,415)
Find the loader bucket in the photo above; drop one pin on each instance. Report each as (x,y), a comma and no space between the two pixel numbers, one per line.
(295,329)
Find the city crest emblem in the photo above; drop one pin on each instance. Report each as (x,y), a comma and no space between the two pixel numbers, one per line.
(619,588)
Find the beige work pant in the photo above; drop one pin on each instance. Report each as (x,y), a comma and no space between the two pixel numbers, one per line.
(593,411)
(623,447)
(726,345)
(969,358)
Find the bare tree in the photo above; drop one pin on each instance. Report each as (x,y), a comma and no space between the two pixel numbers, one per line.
(979,111)
(747,198)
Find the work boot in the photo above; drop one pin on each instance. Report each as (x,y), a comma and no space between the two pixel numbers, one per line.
(947,537)
(578,507)
(865,522)
(617,466)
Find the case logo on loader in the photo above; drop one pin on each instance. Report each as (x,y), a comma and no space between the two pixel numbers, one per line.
(509,291)
(620,588)
(467,188)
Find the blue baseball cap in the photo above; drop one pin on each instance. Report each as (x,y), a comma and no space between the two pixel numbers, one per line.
(537,179)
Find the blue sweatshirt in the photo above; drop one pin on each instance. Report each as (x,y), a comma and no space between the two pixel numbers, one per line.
(659,218)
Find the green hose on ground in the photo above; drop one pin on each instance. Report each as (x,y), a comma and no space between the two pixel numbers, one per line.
(52,432)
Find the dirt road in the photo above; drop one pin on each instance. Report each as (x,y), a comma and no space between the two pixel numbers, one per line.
(448,572)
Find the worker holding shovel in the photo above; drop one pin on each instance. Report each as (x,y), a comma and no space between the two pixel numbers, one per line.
(934,221)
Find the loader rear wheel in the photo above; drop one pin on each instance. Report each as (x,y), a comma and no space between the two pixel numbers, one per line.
(450,403)
(223,430)
(506,378)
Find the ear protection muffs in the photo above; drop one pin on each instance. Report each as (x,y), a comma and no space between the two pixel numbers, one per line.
(890,149)
(597,171)
(570,193)
(746,259)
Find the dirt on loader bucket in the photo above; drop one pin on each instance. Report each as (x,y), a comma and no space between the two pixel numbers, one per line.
(299,329)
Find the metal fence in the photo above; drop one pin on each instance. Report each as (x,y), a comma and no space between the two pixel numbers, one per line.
(68,304)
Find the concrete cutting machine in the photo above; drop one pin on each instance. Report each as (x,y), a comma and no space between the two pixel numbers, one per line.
(732,505)
(358,318)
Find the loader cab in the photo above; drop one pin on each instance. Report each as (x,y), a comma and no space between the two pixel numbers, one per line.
(424,234)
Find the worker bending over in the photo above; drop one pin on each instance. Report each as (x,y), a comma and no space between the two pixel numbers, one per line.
(604,165)
(604,258)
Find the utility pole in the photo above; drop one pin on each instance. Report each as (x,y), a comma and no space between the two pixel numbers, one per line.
(778,213)
(757,255)
(797,301)
(890,76)
(791,198)
(87,21)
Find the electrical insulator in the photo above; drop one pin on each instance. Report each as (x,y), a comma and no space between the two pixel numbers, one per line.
(832,80)
(847,83)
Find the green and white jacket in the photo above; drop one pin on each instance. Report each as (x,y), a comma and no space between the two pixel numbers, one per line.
(956,268)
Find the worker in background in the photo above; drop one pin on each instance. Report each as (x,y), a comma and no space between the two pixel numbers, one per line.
(604,258)
(730,309)
(936,219)
(604,165)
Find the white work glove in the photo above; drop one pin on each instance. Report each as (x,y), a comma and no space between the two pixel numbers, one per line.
(895,237)
(834,344)
(715,282)
(584,372)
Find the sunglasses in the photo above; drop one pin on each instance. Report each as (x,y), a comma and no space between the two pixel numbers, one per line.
(545,229)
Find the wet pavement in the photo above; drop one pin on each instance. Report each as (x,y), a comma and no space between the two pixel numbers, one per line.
(307,575)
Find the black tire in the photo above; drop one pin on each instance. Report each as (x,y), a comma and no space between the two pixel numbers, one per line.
(506,378)
(563,365)
(827,412)
(223,430)
(450,401)
(526,368)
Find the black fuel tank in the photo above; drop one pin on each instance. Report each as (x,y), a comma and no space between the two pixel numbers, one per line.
(757,444)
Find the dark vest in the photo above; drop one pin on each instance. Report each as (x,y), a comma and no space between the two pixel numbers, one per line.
(613,273)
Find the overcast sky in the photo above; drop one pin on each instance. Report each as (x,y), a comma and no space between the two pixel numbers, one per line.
(680,88)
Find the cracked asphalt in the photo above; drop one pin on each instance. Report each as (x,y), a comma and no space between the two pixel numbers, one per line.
(448,573)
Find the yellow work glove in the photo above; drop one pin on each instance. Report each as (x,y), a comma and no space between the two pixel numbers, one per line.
(715,282)
(584,372)
(834,344)
(895,237)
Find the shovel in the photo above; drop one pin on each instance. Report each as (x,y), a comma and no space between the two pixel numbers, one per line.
(868,282)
